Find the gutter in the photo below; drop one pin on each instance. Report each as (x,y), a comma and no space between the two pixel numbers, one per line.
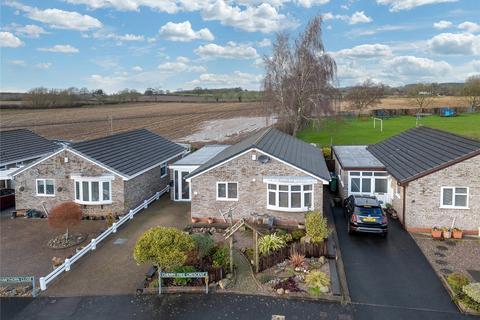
(404,207)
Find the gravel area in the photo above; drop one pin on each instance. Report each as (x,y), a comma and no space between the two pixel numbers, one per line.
(451,255)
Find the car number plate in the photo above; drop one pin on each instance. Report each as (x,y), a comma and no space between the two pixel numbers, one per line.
(369,219)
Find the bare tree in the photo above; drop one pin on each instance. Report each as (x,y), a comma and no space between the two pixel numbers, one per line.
(422,95)
(365,95)
(471,91)
(299,76)
(64,216)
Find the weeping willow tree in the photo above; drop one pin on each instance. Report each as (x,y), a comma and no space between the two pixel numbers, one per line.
(298,84)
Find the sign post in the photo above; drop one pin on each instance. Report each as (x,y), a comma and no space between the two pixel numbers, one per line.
(195,275)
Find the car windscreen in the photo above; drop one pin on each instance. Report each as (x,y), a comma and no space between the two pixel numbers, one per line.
(367,210)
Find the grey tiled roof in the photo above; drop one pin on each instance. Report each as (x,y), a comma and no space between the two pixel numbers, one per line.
(129,152)
(22,144)
(419,151)
(280,145)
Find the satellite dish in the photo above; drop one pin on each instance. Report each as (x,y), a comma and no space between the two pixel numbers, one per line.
(263,159)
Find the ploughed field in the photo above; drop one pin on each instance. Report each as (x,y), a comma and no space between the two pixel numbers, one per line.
(171,120)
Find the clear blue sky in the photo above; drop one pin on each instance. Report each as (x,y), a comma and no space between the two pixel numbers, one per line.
(171,44)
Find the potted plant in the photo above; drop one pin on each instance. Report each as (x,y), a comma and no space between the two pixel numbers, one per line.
(457,233)
(436,233)
(447,233)
(194,220)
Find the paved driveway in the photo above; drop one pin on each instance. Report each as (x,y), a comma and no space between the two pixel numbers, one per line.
(110,269)
(390,273)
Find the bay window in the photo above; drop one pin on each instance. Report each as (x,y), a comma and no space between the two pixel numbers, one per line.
(290,197)
(454,197)
(93,190)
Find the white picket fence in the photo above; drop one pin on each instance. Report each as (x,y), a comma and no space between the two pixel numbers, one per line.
(66,265)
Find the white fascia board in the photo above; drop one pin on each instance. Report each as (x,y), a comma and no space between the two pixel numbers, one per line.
(265,153)
(187,167)
(155,165)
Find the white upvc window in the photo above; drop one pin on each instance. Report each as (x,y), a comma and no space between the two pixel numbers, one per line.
(163,170)
(227,191)
(93,190)
(454,197)
(290,197)
(45,187)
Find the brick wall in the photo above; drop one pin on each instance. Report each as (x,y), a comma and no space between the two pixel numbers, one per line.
(342,189)
(423,197)
(252,191)
(56,168)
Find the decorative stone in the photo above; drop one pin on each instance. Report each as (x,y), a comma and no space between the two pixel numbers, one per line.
(324,289)
(229,276)
(224,283)
(305,239)
(322,260)
(287,291)
(280,291)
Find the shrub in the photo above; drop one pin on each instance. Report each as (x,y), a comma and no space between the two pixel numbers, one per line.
(297,260)
(269,243)
(297,234)
(471,296)
(327,152)
(203,244)
(316,226)
(221,257)
(315,280)
(165,247)
(183,281)
(288,284)
(457,281)
(264,278)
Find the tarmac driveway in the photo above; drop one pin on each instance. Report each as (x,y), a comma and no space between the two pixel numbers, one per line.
(391,272)
(110,269)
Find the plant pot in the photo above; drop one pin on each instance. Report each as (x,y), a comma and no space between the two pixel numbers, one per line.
(210,220)
(194,220)
(301,226)
(457,234)
(436,234)
(447,234)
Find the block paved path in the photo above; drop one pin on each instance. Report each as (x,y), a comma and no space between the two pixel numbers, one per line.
(110,269)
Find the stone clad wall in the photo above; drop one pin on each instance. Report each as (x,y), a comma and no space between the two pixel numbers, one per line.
(56,168)
(424,194)
(252,191)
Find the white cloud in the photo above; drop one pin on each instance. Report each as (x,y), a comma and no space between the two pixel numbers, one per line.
(182,59)
(183,32)
(356,18)
(455,43)
(414,66)
(263,18)
(237,79)
(398,5)
(57,18)
(442,24)
(365,51)
(61,48)
(8,40)
(471,27)
(43,65)
(180,66)
(169,6)
(137,68)
(18,63)
(231,51)
(264,43)
(30,30)
(128,37)
(310,3)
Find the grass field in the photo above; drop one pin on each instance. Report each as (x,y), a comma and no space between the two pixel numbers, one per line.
(361,131)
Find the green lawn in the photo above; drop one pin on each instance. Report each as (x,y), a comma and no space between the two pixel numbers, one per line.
(361,131)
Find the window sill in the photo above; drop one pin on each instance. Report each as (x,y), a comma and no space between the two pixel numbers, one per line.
(289,209)
(226,199)
(46,195)
(455,208)
(90,203)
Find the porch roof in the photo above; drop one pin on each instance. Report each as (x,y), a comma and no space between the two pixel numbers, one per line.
(201,156)
(356,157)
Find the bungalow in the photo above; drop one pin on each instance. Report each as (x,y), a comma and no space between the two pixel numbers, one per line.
(269,174)
(20,147)
(432,177)
(107,175)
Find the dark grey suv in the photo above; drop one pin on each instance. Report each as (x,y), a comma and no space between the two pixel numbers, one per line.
(365,214)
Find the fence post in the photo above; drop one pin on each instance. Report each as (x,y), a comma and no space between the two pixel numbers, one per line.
(145,204)
(114,226)
(43,285)
(94,243)
(157,195)
(67,264)
(131,214)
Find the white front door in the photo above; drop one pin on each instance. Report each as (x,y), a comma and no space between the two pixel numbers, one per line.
(182,187)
